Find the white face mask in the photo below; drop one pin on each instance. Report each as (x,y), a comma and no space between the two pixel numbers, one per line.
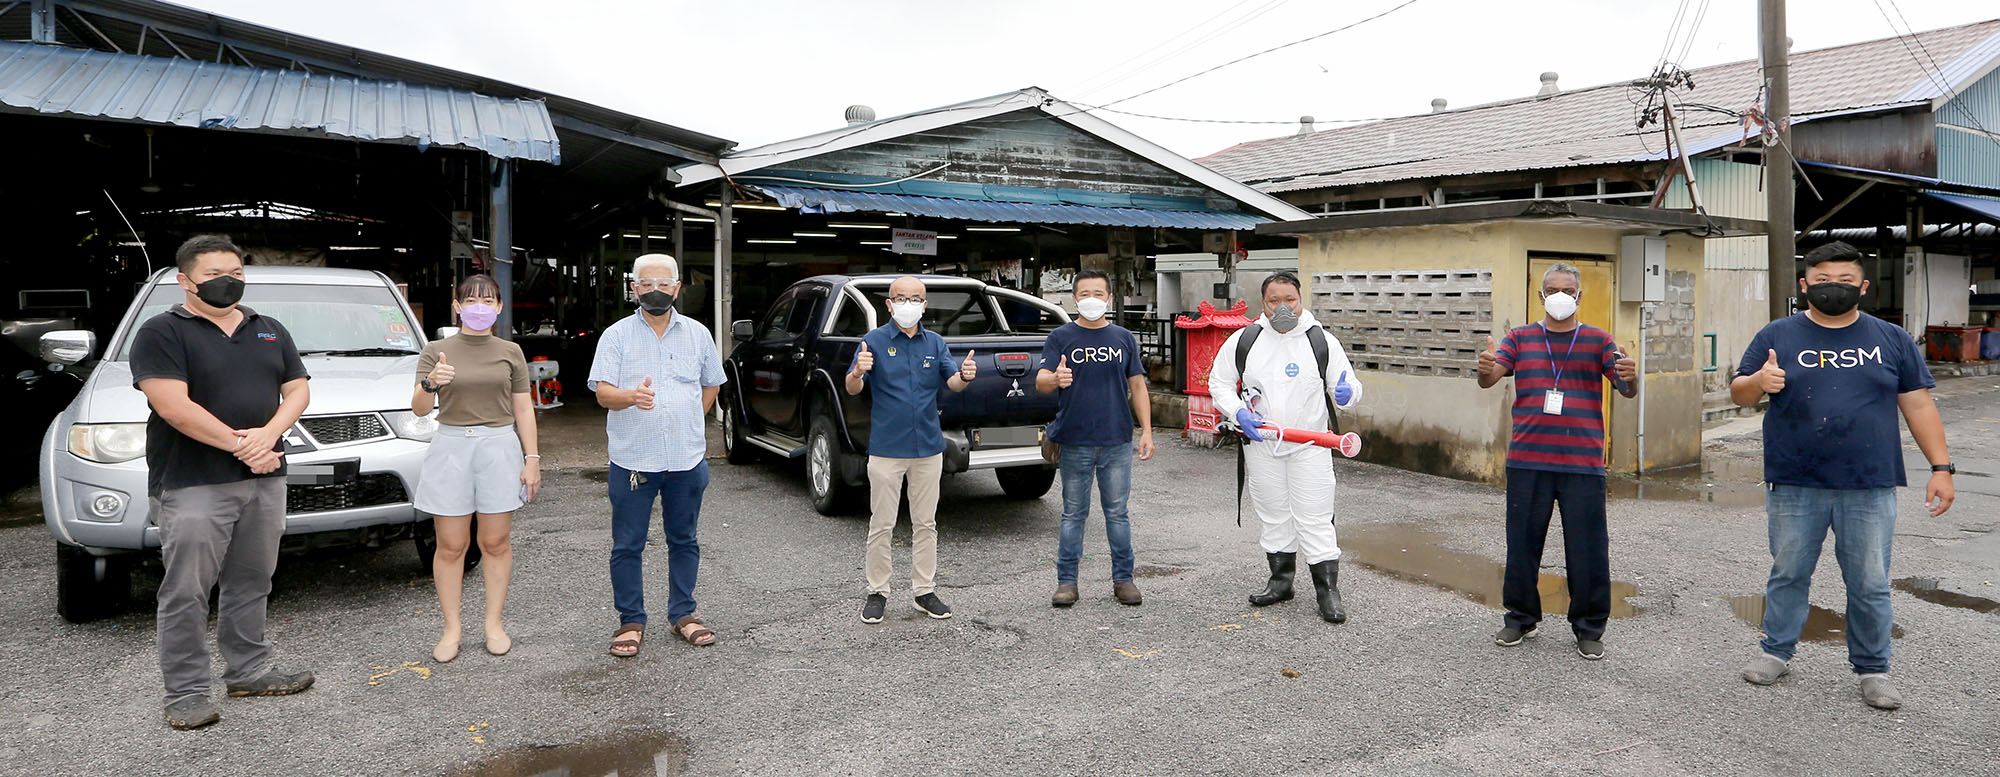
(1092,308)
(1559,305)
(907,314)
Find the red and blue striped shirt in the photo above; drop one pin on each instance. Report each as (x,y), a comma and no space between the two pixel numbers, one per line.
(1576,362)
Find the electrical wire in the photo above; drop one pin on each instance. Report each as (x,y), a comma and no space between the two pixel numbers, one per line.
(1933,72)
(135,232)
(1247,57)
(1106,78)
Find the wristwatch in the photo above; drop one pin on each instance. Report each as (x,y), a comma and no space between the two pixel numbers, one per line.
(1945,468)
(426,384)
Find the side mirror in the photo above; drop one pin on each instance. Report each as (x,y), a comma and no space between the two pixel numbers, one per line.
(446,331)
(742,330)
(68,346)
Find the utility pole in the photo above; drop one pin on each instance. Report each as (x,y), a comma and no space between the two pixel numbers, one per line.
(1778,158)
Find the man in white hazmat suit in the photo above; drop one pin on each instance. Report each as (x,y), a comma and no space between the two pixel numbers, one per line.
(1291,369)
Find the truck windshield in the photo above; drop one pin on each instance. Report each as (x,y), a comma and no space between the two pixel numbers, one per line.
(362,320)
(949,312)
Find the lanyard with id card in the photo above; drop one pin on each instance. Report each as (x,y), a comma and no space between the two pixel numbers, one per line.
(1552,400)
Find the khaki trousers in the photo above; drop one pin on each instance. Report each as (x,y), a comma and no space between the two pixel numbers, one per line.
(886,477)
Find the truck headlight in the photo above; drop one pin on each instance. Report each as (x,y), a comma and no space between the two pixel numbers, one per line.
(107,443)
(411,426)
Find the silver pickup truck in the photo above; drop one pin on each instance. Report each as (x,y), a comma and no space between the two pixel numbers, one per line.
(353,458)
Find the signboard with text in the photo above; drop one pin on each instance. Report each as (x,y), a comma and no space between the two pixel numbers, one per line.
(914,241)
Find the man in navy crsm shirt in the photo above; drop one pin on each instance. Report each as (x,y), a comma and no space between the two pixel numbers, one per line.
(905,440)
(1833,459)
(1095,364)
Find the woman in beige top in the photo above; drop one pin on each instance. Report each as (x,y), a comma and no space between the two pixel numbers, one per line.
(482,461)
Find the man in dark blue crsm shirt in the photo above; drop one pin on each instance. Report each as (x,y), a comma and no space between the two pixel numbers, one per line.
(1833,459)
(1095,365)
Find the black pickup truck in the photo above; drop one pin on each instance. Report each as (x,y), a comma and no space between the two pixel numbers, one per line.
(785,393)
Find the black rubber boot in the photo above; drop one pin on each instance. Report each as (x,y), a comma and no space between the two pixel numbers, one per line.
(1283,566)
(1326,579)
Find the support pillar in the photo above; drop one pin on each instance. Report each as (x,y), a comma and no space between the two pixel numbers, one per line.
(500,223)
(724,275)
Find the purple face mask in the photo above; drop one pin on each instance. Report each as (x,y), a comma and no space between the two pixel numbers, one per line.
(478,316)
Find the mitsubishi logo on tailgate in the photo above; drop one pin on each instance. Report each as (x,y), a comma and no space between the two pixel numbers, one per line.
(1016,390)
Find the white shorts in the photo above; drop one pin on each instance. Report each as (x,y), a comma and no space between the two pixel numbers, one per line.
(472,469)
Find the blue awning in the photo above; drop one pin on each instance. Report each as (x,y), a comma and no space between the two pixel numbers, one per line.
(1984,207)
(815,200)
(37,78)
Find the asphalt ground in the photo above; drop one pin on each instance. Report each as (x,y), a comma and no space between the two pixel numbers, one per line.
(1193,682)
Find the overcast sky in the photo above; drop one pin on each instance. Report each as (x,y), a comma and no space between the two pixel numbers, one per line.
(757,71)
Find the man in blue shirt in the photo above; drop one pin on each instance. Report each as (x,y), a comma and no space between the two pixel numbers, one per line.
(905,440)
(1833,460)
(1095,365)
(658,374)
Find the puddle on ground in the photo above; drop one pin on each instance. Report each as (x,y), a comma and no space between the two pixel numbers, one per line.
(1416,554)
(1732,481)
(626,754)
(598,475)
(21,508)
(1822,624)
(1929,590)
(1149,570)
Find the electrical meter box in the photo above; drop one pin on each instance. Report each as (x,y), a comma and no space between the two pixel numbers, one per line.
(1642,269)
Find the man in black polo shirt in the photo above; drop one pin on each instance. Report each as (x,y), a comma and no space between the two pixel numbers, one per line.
(224,384)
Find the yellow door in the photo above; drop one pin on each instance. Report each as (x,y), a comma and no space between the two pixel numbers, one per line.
(1595,308)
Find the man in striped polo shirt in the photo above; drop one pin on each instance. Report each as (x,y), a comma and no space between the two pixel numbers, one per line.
(1556,456)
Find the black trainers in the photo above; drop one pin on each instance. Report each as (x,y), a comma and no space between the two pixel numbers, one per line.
(872,611)
(930,604)
(1590,649)
(273,683)
(1512,635)
(191,712)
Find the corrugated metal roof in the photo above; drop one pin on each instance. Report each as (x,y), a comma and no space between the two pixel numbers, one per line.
(189,93)
(1984,207)
(1595,125)
(808,200)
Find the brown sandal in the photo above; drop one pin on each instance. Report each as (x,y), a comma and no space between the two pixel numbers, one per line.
(627,648)
(701,636)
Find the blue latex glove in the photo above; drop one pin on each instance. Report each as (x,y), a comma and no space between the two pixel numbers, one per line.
(1342,393)
(1247,421)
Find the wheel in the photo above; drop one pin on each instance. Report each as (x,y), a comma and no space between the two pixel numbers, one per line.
(831,495)
(1030,482)
(736,448)
(424,536)
(90,587)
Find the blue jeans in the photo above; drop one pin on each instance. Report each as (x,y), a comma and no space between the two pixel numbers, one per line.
(679,494)
(1864,527)
(1111,467)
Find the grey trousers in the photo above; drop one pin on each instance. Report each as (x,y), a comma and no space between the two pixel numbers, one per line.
(225,534)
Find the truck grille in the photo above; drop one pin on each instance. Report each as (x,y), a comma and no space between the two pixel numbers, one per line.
(369,490)
(337,429)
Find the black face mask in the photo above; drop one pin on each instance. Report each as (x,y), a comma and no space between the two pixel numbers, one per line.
(1833,299)
(656,302)
(220,292)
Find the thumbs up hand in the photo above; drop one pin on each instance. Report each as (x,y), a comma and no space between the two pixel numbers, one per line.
(1489,362)
(968,369)
(1064,375)
(863,360)
(1771,379)
(642,397)
(442,373)
(1343,392)
(1625,367)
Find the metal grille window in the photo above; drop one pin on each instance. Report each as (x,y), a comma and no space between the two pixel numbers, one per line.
(337,429)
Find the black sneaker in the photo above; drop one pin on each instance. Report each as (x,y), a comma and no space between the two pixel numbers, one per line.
(1590,649)
(192,712)
(273,683)
(1512,635)
(930,604)
(872,611)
